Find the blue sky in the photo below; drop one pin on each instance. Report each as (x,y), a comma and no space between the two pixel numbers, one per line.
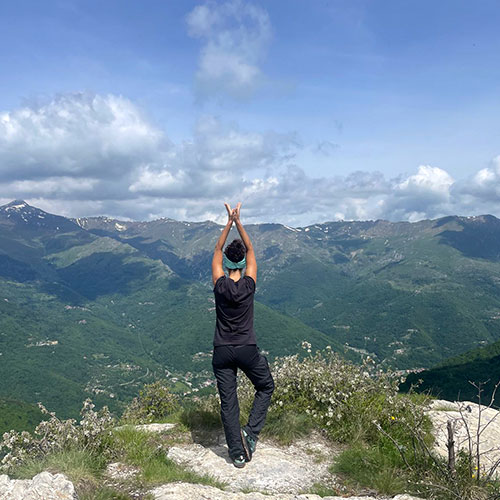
(306,111)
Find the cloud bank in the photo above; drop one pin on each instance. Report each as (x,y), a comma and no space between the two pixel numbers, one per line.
(83,154)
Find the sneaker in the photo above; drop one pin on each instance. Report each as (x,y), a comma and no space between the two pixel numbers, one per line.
(249,444)
(239,461)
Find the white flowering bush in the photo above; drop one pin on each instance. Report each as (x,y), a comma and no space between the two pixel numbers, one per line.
(91,433)
(95,427)
(341,398)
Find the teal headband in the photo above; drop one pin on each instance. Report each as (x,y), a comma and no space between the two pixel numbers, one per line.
(234,265)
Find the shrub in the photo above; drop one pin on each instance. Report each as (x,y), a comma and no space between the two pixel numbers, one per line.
(346,400)
(202,413)
(92,434)
(155,402)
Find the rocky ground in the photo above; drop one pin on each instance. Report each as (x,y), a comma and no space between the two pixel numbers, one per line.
(275,473)
(184,491)
(44,486)
(274,469)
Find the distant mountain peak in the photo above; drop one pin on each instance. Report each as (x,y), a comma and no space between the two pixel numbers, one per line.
(18,214)
(15,205)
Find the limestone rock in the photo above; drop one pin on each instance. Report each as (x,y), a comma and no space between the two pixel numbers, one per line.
(43,486)
(273,469)
(187,491)
(489,442)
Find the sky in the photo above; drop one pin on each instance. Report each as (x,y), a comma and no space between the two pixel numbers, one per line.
(304,111)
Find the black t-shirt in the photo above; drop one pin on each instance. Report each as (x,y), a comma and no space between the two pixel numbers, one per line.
(234,308)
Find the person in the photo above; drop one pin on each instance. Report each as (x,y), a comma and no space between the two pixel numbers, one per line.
(235,343)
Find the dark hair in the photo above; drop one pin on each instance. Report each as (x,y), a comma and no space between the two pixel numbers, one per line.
(235,251)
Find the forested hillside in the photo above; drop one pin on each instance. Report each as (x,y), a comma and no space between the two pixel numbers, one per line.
(459,377)
(97,307)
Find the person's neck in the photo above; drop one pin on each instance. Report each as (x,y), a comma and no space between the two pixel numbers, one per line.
(235,275)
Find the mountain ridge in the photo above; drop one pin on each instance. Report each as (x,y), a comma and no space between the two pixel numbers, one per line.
(18,203)
(409,294)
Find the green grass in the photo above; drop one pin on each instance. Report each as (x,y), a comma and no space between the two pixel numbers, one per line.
(96,492)
(322,490)
(142,450)
(77,465)
(381,469)
(372,467)
(82,468)
(283,428)
(145,451)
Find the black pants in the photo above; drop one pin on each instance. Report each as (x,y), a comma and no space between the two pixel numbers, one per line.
(225,362)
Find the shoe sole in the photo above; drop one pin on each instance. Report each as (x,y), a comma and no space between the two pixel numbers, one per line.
(248,452)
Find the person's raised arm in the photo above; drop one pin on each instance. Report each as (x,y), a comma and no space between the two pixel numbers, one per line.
(251,262)
(217,269)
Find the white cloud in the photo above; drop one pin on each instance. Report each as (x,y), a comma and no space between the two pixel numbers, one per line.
(485,184)
(82,145)
(484,177)
(52,186)
(480,193)
(76,135)
(161,182)
(99,155)
(421,195)
(428,181)
(235,35)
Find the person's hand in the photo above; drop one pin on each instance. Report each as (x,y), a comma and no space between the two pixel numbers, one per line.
(230,213)
(236,211)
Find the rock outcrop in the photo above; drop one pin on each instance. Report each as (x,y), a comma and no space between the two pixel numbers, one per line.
(43,486)
(186,491)
(274,469)
(467,424)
